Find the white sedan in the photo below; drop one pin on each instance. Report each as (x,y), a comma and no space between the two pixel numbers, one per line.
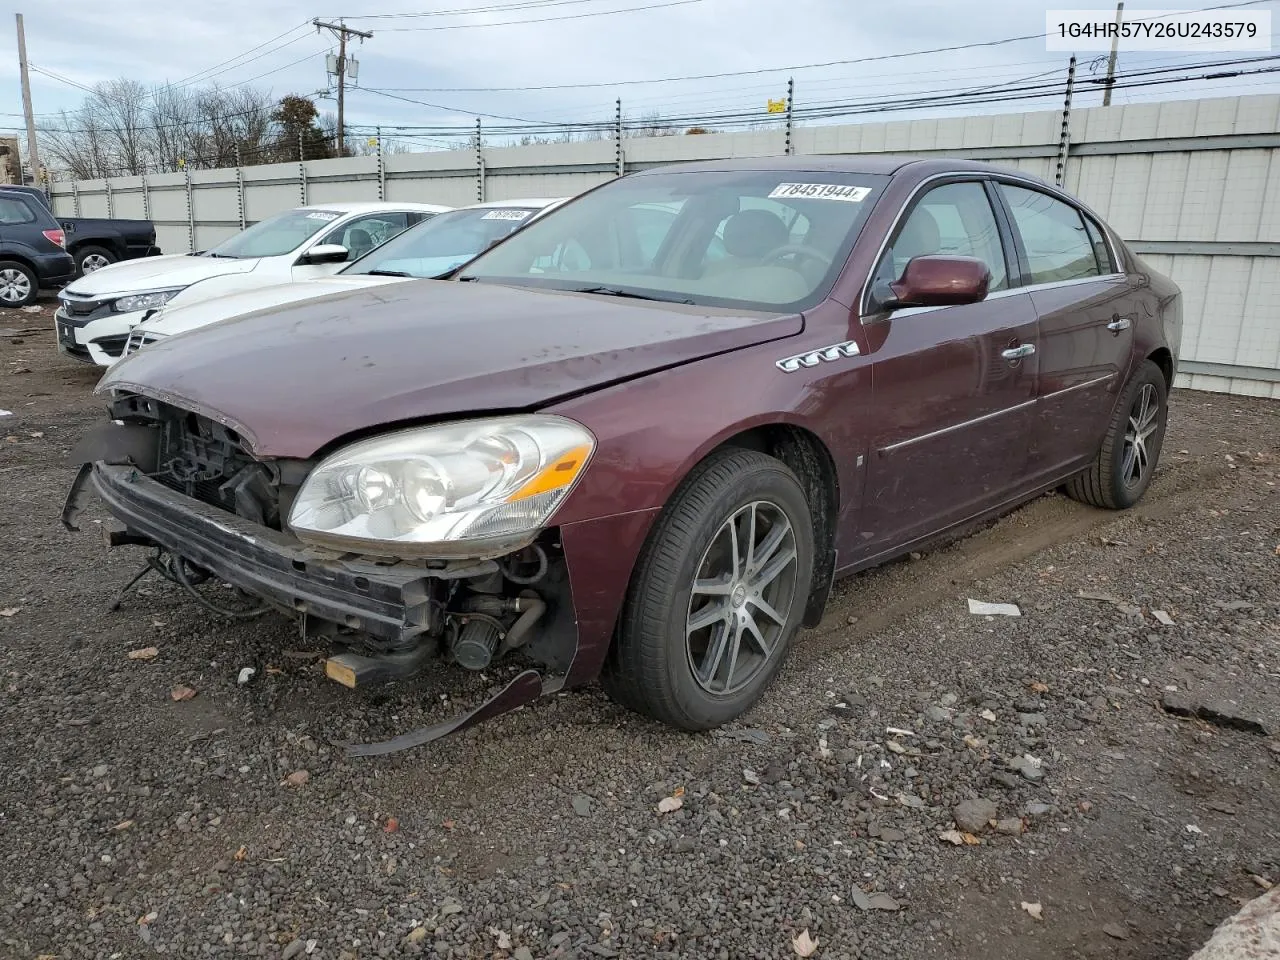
(428,251)
(96,312)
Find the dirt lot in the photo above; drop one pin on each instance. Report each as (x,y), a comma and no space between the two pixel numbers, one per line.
(131,823)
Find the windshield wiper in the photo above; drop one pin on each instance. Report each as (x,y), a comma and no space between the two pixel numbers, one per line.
(387,273)
(616,292)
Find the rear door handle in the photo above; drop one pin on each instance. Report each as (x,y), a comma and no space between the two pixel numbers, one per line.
(1119,323)
(1020,351)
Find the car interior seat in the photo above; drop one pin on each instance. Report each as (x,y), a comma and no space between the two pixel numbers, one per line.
(359,242)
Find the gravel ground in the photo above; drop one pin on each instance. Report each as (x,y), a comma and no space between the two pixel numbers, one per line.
(227,825)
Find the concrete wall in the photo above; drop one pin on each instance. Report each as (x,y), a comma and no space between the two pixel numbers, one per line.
(1193,185)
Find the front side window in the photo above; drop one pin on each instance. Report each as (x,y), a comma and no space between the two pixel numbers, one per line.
(275,236)
(763,240)
(954,219)
(362,234)
(1053,234)
(444,242)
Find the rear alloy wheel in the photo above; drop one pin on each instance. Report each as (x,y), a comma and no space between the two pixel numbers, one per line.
(718,593)
(89,259)
(18,285)
(1123,469)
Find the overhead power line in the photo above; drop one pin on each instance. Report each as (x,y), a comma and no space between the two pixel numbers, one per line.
(764,70)
(568,16)
(466,11)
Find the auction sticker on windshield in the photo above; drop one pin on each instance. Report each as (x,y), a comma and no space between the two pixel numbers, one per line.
(322,215)
(819,191)
(505,215)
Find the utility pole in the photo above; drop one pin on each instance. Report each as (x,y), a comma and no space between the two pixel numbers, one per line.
(33,153)
(342,32)
(1111,63)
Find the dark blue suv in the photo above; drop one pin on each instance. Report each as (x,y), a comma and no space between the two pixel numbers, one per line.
(32,252)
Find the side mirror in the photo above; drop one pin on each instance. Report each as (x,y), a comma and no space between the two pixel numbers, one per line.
(935,281)
(326,253)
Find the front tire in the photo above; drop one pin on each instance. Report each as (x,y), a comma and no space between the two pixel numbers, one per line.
(18,284)
(718,593)
(1122,471)
(89,259)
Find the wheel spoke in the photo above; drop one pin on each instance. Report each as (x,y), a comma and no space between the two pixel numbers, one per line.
(706,616)
(774,568)
(751,542)
(714,655)
(735,645)
(713,587)
(749,622)
(777,533)
(735,557)
(767,609)
(1130,457)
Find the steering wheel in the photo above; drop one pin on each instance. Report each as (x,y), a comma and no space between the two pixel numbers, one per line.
(797,249)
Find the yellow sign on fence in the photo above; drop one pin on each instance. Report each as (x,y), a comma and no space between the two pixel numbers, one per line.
(777,106)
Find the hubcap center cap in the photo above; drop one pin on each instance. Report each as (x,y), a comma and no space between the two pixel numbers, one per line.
(739,595)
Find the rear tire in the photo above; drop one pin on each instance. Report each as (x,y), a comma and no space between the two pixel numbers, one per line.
(718,593)
(18,284)
(89,259)
(1124,466)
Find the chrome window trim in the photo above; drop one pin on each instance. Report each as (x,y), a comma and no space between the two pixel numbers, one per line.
(1012,291)
(980,175)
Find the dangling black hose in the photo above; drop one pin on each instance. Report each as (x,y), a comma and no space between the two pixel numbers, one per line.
(179,568)
(525,580)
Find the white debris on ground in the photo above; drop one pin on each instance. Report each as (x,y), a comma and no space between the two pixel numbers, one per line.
(983,609)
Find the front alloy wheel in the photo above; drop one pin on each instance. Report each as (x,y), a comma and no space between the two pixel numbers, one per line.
(741,598)
(717,594)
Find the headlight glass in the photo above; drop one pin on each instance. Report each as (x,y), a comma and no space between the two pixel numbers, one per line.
(144,301)
(478,487)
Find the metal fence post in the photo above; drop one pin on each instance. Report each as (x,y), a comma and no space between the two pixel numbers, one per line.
(146,199)
(75,196)
(1064,139)
(111,207)
(791,95)
(479,163)
(239,187)
(191,215)
(617,138)
(302,172)
(382,170)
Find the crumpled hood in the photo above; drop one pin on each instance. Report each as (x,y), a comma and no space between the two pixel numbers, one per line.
(293,379)
(156,273)
(180,318)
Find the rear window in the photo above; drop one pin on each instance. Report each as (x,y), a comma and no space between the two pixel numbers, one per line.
(13,211)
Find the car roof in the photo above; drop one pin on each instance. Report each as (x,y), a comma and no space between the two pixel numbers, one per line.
(886,164)
(538,202)
(373,206)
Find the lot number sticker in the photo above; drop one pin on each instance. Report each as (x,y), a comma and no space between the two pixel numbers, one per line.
(505,215)
(321,215)
(819,191)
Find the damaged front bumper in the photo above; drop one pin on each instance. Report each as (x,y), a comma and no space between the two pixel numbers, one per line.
(397,604)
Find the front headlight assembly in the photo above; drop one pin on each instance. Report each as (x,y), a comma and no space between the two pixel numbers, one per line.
(144,301)
(477,488)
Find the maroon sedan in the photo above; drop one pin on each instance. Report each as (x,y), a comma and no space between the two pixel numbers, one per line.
(638,439)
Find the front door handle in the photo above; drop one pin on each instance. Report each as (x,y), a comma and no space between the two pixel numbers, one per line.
(1119,323)
(1020,351)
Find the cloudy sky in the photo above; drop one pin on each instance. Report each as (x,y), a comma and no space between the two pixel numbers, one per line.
(461,63)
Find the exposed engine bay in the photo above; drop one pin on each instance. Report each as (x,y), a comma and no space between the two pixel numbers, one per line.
(188,488)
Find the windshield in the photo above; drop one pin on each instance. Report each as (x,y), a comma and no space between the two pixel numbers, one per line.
(444,242)
(275,236)
(764,240)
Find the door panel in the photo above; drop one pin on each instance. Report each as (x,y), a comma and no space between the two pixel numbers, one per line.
(1087,314)
(1083,364)
(952,417)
